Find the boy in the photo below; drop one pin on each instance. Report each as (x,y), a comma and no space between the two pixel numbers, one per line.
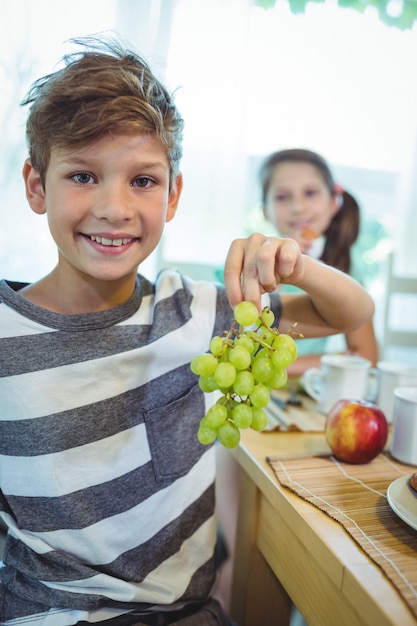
(108,496)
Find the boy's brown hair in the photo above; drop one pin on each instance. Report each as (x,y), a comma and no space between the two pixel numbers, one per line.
(102,89)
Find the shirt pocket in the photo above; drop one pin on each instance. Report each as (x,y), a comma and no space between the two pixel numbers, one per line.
(172,435)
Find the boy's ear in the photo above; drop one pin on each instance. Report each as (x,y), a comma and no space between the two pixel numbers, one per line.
(35,192)
(174,197)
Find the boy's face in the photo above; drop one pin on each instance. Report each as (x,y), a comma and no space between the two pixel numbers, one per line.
(106,203)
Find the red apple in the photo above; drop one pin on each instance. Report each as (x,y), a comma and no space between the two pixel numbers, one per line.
(356,431)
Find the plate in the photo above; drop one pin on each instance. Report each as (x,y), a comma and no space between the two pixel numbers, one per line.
(403,501)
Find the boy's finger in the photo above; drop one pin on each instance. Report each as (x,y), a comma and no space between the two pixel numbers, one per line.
(240,274)
(287,259)
(253,260)
(232,272)
(265,266)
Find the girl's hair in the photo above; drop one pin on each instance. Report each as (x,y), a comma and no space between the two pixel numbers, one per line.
(343,230)
(102,89)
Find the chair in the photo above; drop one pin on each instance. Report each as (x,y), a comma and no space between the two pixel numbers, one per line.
(400,311)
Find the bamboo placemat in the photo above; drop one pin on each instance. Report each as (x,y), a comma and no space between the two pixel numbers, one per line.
(355,496)
(304,418)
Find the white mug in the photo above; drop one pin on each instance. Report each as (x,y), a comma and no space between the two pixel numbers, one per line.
(404,425)
(340,376)
(390,376)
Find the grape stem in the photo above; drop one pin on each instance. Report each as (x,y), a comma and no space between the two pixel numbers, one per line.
(291,332)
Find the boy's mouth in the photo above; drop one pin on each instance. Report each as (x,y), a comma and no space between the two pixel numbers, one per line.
(104,241)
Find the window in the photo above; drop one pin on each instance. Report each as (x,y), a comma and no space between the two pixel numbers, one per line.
(249,80)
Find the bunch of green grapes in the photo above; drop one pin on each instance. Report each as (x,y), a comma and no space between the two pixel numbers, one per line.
(243,364)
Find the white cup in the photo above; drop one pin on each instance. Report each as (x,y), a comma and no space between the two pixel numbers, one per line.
(390,376)
(404,425)
(340,376)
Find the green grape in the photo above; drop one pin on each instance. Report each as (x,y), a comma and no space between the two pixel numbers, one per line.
(278,379)
(204,364)
(284,341)
(216,415)
(216,346)
(240,358)
(243,365)
(253,335)
(260,396)
(244,383)
(266,335)
(267,317)
(207,384)
(205,434)
(281,358)
(225,375)
(262,353)
(226,351)
(242,415)
(262,369)
(246,313)
(228,434)
(259,419)
(246,342)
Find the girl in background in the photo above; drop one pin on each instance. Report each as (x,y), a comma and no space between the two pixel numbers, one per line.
(301,200)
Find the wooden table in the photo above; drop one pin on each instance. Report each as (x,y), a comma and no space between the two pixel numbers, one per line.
(288,550)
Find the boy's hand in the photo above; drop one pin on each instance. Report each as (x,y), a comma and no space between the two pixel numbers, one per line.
(258,264)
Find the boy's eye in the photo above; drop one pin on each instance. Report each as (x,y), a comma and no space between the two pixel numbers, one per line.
(83,178)
(142,181)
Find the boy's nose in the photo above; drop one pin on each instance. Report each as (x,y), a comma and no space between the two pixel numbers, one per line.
(114,205)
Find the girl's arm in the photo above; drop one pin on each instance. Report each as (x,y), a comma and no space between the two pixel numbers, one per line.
(363,341)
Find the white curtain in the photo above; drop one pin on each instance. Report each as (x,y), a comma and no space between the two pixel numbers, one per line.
(205,54)
(248,81)
(33,38)
(405,242)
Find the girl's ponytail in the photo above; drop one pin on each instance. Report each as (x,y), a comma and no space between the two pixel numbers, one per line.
(341,234)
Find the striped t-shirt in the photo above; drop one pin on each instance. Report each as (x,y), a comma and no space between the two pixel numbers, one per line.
(108,496)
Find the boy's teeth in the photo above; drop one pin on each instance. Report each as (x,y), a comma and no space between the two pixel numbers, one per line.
(109,242)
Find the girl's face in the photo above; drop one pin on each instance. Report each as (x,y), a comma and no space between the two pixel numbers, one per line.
(298,202)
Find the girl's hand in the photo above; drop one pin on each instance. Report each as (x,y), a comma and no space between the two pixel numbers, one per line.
(258,264)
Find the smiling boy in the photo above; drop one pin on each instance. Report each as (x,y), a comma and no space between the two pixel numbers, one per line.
(107,494)
(107,204)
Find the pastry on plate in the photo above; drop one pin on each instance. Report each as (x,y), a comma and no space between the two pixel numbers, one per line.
(413,481)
